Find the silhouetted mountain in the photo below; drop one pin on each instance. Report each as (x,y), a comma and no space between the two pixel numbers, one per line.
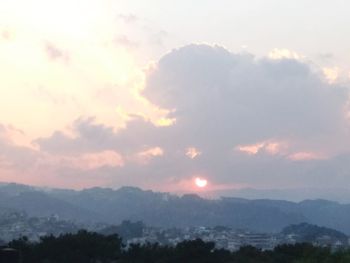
(167,210)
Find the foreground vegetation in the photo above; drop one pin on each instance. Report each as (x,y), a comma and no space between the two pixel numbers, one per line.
(89,247)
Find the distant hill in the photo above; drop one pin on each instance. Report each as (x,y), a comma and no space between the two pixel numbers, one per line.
(167,210)
(311,233)
(341,195)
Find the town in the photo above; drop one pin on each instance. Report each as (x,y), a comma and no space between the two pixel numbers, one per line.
(14,225)
(232,240)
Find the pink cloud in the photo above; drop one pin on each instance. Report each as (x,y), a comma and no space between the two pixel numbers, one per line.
(270,147)
(145,156)
(251,149)
(305,156)
(192,152)
(279,148)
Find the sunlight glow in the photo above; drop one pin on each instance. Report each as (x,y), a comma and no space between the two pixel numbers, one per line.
(200,182)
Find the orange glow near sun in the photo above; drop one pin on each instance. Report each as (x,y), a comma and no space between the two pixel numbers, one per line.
(200,182)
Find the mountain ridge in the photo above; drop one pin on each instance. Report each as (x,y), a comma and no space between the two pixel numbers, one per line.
(161,209)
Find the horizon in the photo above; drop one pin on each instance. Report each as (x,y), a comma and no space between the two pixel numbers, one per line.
(294,195)
(113,93)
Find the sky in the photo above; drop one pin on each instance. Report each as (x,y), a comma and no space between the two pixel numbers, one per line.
(162,94)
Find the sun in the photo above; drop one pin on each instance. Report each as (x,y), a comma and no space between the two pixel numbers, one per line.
(200,182)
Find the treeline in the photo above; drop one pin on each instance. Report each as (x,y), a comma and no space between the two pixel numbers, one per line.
(89,247)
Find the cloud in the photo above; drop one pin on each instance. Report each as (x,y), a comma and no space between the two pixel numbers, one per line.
(331,74)
(93,137)
(54,53)
(91,161)
(23,164)
(223,105)
(145,38)
(284,53)
(238,99)
(303,156)
(14,156)
(147,155)
(192,152)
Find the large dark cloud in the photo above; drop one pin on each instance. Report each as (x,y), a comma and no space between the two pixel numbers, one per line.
(238,99)
(221,100)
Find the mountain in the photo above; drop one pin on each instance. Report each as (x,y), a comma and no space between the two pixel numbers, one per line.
(37,203)
(167,210)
